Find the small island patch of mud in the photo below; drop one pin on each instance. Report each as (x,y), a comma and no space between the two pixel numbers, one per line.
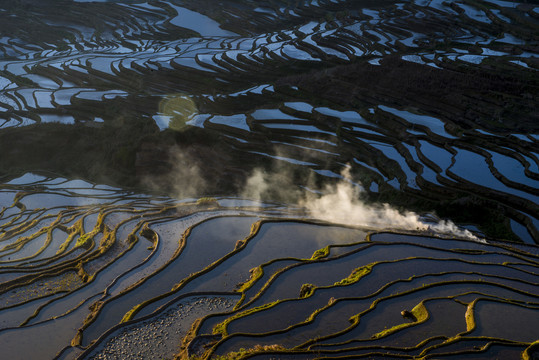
(159,337)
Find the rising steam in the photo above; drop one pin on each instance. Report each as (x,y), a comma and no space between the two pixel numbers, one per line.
(341,204)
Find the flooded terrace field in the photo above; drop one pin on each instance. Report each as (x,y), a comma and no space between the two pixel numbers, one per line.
(107,273)
(269,179)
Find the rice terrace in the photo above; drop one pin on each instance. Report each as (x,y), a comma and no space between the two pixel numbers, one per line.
(269,179)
